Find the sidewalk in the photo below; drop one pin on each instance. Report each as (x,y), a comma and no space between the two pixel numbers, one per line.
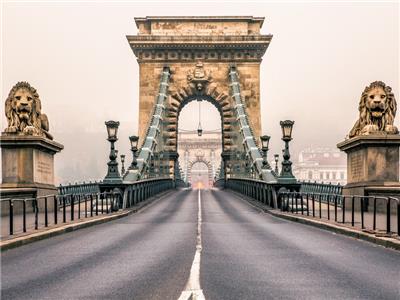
(378,237)
(21,238)
(30,219)
(368,217)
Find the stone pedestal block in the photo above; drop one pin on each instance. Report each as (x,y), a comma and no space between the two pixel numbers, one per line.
(28,166)
(372,165)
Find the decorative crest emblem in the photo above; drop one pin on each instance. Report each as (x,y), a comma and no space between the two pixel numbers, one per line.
(198,77)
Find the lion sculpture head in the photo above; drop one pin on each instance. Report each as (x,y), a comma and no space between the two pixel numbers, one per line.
(377,111)
(23,112)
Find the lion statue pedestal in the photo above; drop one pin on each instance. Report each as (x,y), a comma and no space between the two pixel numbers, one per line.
(27,148)
(373,145)
(372,165)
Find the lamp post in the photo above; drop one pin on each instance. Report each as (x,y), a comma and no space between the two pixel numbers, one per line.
(264,148)
(286,172)
(112,173)
(276,158)
(122,163)
(134,142)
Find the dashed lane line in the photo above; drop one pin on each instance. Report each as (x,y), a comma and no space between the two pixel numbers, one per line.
(193,289)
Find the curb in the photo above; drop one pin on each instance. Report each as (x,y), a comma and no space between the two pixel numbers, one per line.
(37,236)
(382,241)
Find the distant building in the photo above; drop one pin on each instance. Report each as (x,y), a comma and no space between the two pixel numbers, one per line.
(321,165)
(199,156)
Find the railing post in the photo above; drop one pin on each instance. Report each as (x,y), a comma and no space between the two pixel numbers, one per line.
(343,210)
(11,209)
(72,205)
(352,211)
(64,212)
(398,216)
(313,205)
(79,206)
(46,221)
(374,217)
(108,197)
(97,204)
(335,199)
(36,207)
(91,205)
(23,215)
(320,205)
(55,209)
(328,198)
(301,203)
(102,202)
(362,211)
(85,196)
(388,216)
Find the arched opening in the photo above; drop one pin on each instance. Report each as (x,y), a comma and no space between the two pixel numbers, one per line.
(199,156)
(200,174)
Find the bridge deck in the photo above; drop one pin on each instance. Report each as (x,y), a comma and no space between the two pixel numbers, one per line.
(245,255)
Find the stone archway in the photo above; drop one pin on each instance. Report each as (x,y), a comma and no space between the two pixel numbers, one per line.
(198,86)
(202,161)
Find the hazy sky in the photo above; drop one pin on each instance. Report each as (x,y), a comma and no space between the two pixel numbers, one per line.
(76,55)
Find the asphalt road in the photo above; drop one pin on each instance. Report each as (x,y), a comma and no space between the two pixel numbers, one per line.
(245,254)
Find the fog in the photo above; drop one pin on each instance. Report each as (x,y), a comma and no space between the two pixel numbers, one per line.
(76,55)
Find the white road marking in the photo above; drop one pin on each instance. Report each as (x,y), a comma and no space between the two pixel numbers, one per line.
(193,290)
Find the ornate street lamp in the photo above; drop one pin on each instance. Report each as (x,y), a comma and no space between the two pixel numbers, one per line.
(276,158)
(286,172)
(122,163)
(134,143)
(264,148)
(112,173)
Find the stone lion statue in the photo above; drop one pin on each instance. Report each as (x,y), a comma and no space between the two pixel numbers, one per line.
(23,112)
(377,111)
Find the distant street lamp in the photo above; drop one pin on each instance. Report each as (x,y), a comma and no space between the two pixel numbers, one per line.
(276,158)
(264,148)
(134,143)
(112,173)
(286,172)
(199,130)
(122,163)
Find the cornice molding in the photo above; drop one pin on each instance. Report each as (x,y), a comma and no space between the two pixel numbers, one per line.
(187,48)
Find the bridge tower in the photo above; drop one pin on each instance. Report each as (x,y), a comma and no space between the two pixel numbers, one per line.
(199,53)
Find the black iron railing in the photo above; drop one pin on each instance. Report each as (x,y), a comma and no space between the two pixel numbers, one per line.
(366,212)
(256,189)
(53,209)
(321,188)
(45,211)
(141,190)
(375,213)
(79,188)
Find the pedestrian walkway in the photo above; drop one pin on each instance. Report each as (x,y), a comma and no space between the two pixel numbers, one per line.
(54,219)
(337,217)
